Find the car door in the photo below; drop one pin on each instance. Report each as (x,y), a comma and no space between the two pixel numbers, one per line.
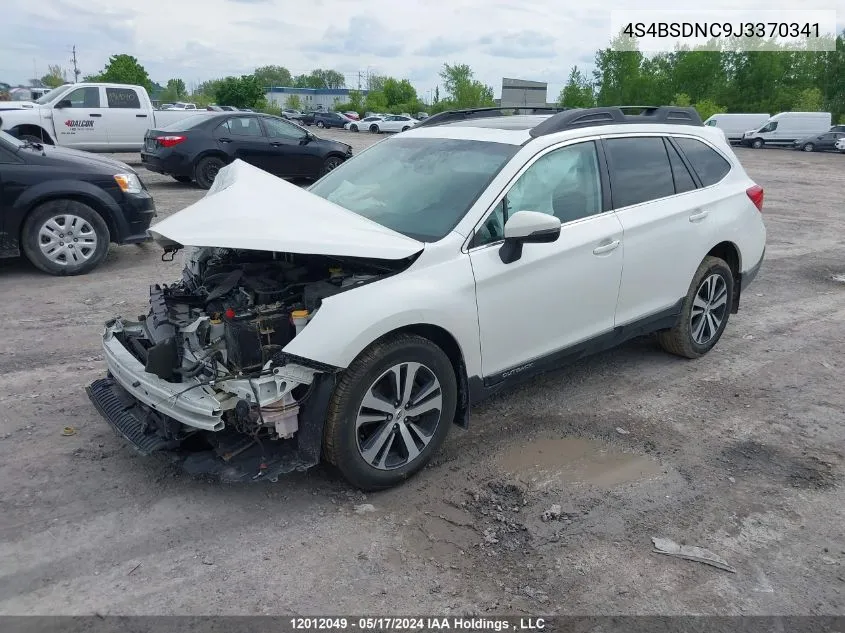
(668,218)
(13,182)
(242,137)
(127,121)
(79,119)
(558,294)
(827,141)
(293,154)
(388,124)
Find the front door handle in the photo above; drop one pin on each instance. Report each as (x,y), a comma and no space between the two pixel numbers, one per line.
(225,140)
(140,116)
(95,114)
(606,247)
(276,144)
(699,215)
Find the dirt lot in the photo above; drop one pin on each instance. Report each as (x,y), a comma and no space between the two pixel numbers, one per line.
(740,452)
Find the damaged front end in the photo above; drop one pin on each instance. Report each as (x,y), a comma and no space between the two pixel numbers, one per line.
(204,376)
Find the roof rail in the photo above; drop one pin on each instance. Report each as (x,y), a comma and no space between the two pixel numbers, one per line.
(449,116)
(615,115)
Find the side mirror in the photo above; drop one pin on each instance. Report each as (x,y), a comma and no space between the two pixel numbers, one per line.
(64,103)
(527,227)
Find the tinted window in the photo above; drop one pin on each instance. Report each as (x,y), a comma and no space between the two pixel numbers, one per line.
(123,98)
(187,123)
(683,179)
(84,98)
(276,128)
(242,126)
(639,170)
(706,162)
(420,187)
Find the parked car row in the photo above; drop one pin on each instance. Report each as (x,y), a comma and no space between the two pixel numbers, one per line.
(379,123)
(807,131)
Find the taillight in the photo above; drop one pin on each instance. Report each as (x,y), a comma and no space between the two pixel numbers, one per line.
(169,141)
(755,194)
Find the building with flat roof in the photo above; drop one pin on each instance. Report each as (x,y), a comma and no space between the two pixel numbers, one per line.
(309,98)
(521,92)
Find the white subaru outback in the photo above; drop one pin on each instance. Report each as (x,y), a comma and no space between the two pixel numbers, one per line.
(360,319)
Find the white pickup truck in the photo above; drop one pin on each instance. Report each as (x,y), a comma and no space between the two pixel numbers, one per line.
(97,117)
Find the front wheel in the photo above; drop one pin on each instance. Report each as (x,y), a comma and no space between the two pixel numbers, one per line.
(374,129)
(207,170)
(757,143)
(320,124)
(390,411)
(331,163)
(353,128)
(705,312)
(808,147)
(406,128)
(65,237)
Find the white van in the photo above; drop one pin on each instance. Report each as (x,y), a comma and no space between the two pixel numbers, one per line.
(734,125)
(786,127)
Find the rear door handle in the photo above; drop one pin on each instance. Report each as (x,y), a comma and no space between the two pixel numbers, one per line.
(95,114)
(225,140)
(606,247)
(276,144)
(140,116)
(699,215)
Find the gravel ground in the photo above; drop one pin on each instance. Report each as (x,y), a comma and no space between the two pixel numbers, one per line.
(740,452)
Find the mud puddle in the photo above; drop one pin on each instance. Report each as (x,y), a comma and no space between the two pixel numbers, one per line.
(575,460)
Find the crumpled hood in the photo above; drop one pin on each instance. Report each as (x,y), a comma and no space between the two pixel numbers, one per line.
(250,209)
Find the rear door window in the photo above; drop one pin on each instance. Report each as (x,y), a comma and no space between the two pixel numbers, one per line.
(710,166)
(123,98)
(639,170)
(242,126)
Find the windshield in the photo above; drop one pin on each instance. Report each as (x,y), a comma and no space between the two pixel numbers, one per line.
(7,138)
(49,95)
(420,187)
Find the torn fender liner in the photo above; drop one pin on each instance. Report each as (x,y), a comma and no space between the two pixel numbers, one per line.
(224,455)
(250,209)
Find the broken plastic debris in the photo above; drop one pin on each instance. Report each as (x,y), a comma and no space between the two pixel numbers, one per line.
(68,430)
(689,552)
(621,431)
(364,508)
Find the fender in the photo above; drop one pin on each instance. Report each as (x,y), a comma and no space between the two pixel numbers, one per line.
(10,119)
(99,200)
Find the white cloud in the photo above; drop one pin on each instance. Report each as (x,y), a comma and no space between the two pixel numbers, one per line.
(203,39)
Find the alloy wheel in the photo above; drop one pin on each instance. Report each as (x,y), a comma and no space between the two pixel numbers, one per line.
(708,309)
(398,416)
(67,239)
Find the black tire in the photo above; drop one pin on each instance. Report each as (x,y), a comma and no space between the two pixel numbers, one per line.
(340,435)
(374,129)
(182,178)
(757,143)
(38,218)
(332,162)
(406,128)
(207,169)
(680,340)
(320,124)
(353,127)
(808,147)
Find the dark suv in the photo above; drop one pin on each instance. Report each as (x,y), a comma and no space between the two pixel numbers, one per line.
(63,207)
(330,119)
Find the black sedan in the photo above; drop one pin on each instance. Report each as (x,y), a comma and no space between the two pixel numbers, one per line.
(63,207)
(331,119)
(196,148)
(819,142)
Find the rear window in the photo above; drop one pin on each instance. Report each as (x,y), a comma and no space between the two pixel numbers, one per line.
(639,170)
(706,161)
(187,123)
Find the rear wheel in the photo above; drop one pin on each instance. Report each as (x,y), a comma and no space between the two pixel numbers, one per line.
(390,411)
(808,147)
(207,169)
(406,128)
(353,128)
(65,237)
(705,313)
(182,178)
(320,124)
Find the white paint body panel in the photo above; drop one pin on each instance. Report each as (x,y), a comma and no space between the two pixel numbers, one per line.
(248,208)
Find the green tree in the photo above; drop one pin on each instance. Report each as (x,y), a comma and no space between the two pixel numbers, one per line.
(270,76)
(55,76)
(241,92)
(175,91)
(123,69)
(707,108)
(578,91)
(398,92)
(293,102)
(681,99)
(436,95)
(809,100)
(375,83)
(464,91)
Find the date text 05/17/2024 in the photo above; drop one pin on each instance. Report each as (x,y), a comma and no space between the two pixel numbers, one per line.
(416,623)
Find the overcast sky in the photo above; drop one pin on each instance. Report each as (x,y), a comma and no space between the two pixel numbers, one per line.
(204,39)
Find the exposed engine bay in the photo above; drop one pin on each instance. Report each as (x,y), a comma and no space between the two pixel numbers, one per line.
(207,360)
